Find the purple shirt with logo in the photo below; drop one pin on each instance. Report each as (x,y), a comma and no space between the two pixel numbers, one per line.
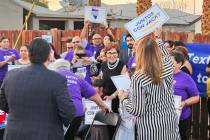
(77,88)
(93,49)
(3,55)
(69,56)
(185,87)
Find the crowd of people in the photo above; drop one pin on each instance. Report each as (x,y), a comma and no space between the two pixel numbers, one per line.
(48,91)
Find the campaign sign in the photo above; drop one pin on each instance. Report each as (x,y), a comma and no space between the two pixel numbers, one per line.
(147,22)
(91,109)
(95,14)
(199,59)
(48,38)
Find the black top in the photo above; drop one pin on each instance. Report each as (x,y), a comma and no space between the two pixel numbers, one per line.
(108,86)
(185,69)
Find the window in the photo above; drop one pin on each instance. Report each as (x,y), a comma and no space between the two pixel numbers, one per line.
(49,24)
(78,25)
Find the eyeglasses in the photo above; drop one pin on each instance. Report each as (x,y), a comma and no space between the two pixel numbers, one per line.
(96,38)
(76,42)
(111,53)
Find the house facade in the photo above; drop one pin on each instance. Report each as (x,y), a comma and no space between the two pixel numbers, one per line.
(14,12)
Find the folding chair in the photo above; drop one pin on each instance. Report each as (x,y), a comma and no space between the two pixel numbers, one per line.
(111,118)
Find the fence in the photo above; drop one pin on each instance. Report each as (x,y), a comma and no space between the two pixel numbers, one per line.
(200,119)
(60,36)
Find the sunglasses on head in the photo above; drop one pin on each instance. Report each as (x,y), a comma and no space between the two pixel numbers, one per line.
(81,55)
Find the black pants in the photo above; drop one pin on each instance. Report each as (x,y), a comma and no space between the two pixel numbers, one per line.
(1,134)
(74,126)
(184,128)
(111,130)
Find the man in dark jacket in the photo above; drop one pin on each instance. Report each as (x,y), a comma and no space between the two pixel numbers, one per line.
(127,53)
(36,99)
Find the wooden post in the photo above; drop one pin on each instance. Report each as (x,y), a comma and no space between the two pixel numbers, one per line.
(23,26)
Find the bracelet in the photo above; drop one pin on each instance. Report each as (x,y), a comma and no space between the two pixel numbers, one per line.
(114,95)
(123,100)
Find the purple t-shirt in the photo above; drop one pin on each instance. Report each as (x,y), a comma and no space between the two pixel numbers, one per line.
(12,52)
(185,87)
(86,70)
(3,55)
(70,55)
(132,62)
(93,49)
(77,88)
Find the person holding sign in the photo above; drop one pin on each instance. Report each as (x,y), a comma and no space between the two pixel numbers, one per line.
(185,87)
(79,89)
(97,40)
(151,99)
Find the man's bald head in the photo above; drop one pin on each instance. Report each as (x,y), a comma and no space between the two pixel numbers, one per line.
(97,39)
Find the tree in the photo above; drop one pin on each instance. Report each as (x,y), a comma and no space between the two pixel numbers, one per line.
(174,4)
(205,20)
(143,5)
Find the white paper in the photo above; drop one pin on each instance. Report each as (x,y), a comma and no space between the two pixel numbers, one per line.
(177,101)
(95,14)
(48,38)
(147,22)
(121,82)
(91,109)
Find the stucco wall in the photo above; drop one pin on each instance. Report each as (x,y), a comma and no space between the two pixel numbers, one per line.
(11,15)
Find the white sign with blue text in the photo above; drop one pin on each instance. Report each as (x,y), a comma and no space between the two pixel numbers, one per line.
(95,14)
(147,22)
